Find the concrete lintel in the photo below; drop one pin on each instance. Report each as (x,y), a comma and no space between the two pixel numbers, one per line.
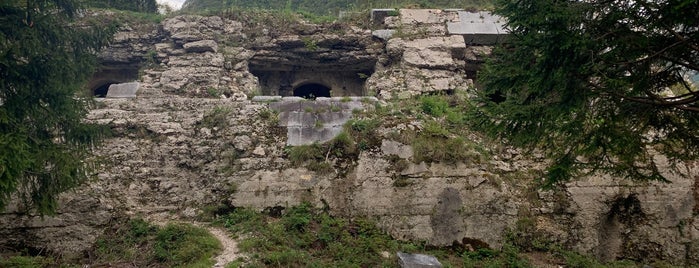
(266,98)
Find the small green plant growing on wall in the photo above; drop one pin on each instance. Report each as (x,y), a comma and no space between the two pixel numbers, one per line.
(217,117)
(213,92)
(310,44)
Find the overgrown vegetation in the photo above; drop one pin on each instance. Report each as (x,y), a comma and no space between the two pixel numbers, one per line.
(303,236)
(443,134)
(135,243)
(139,243)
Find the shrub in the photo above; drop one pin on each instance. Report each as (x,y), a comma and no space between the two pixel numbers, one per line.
(434,105)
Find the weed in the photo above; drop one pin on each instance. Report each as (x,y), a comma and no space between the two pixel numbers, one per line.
(299,155)
(364,132)
(434,105)
(430,148)
(271,116)
(213,92)
(310,44)
(217,118)
(345,99)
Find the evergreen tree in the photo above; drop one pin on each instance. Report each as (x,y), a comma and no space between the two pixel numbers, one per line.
(44,60)
(148,6)
(598,85)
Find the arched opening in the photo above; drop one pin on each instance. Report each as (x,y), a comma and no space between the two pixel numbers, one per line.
(312,91)
(101,91)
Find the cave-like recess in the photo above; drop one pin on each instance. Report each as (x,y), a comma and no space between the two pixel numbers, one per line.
(311,79)
(108,75)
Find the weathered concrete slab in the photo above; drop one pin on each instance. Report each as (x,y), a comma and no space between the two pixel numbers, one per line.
(417,261)
(480,28)
(124,90)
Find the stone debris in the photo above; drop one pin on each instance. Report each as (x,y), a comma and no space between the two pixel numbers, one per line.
(406,260)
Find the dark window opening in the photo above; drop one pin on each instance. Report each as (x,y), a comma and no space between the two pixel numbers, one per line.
(101,91)
(312,91)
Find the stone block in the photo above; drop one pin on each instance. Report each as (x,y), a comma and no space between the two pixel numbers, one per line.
(383,34)
(421,16)
(201,46)
(125,90)
(406,260)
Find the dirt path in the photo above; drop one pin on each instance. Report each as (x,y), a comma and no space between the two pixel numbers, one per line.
(230,247)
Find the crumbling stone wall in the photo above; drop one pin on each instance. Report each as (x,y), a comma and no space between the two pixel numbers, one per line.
(179,151)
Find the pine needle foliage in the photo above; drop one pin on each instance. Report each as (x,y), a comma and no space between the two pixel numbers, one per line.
(45,57)
(589,83)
